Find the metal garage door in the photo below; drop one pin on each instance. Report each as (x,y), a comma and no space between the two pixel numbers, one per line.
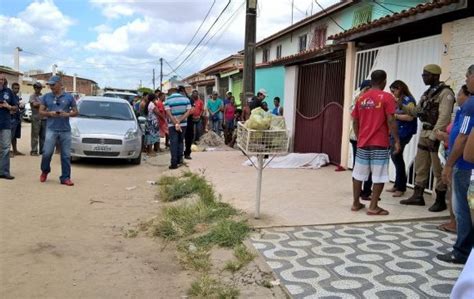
(403,61)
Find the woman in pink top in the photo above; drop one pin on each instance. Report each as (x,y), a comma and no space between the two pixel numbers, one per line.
(229,117)
(160,105)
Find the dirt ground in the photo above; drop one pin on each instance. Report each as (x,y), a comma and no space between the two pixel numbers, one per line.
(68,242)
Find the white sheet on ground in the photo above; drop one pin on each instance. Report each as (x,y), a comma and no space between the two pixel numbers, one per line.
(294,160)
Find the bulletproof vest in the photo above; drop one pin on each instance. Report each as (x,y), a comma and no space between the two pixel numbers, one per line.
(429,111)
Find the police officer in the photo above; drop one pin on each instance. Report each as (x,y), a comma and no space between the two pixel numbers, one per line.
(434,111)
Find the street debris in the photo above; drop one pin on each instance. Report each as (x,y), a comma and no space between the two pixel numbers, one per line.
(131,188)
(210,139)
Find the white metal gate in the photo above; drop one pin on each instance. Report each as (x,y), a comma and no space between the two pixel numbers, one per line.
(402,61)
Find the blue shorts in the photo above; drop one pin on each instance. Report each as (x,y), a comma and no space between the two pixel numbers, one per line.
(372,160)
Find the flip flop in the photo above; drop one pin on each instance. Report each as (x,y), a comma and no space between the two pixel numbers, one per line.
(445,228)
(358,208)
(378,212)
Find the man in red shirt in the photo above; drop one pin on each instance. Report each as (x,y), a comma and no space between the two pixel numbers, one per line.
(197,115)
(373,121)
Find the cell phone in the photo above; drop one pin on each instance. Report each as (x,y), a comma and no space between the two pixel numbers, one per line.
(58,112)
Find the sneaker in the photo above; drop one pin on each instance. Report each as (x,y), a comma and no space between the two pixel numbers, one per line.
(7,177)
(188,157)
(34,154)
(67,182)
(450,258)
(173,166)
(43,177)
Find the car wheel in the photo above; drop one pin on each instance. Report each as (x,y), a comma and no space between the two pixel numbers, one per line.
(138,160)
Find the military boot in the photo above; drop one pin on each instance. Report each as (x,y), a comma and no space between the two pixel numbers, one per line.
(440,203)
(416,199)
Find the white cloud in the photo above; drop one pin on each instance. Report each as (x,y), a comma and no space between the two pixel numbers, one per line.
(102,28)
(41,28)
(113,9)
(46,15)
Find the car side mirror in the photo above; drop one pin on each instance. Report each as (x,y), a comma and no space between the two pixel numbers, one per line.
(141,120)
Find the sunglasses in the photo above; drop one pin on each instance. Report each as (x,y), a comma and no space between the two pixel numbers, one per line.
(57,101)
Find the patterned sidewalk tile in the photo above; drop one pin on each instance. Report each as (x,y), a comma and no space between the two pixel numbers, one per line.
(381,260)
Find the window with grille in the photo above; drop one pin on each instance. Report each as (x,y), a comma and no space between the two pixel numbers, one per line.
(278,54)
(302,42)
(266,54)
(362,15)
(318,39)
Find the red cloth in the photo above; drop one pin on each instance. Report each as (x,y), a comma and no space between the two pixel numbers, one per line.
(371,111)
(229,112)
(198,108)
(162,118)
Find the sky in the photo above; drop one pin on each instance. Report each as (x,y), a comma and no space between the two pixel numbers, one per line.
(118,43)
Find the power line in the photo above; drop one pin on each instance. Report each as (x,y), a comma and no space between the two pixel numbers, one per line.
(171,68)
(383,6)
(200,41)
(223,28)
(329,16)
(195,33)
(90,63)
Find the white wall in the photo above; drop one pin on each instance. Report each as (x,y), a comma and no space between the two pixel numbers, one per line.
(290,41)
(289,105)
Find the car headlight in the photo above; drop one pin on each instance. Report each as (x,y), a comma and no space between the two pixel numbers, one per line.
(75,132)
(131,134)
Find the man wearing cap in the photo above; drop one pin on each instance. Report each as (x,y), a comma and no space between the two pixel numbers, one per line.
(38,123)
(434,111)
(57,106)
(258,99)
(8,104)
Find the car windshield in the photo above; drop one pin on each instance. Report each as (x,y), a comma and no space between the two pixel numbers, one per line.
(105,110)
(126,97)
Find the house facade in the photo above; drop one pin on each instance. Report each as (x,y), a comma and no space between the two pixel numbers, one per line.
(401,44)
(78,85)
(313,76)
(11,75)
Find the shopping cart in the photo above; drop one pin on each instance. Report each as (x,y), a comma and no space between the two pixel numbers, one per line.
(265,145)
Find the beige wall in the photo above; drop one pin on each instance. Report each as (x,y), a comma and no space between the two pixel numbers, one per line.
(348,90)
(459,51)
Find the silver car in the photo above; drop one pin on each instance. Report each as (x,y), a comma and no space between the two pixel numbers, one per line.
(106,128)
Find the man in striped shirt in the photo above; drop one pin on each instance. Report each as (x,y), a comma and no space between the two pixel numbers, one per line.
(177,109)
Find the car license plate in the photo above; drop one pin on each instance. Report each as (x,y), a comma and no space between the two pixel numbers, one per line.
(102,148)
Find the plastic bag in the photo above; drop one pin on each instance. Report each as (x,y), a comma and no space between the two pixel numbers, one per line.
(278,123)
(259,120)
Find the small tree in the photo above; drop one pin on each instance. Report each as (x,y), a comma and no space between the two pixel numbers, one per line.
(142,90)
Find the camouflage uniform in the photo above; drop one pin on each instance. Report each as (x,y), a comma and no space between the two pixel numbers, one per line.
(434,111)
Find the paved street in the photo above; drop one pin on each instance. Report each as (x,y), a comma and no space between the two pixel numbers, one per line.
(377,260)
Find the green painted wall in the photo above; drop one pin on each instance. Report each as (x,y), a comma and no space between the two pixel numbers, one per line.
(237,89)
(386,7)
(272,79)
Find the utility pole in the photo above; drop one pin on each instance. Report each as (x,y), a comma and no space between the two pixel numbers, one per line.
(153,80)
(161,73)
(249,57)
(292,7)
(17,58)
(55,69)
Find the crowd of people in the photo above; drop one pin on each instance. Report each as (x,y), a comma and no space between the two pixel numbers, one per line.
(50,128)
(216,114)
(384,123)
